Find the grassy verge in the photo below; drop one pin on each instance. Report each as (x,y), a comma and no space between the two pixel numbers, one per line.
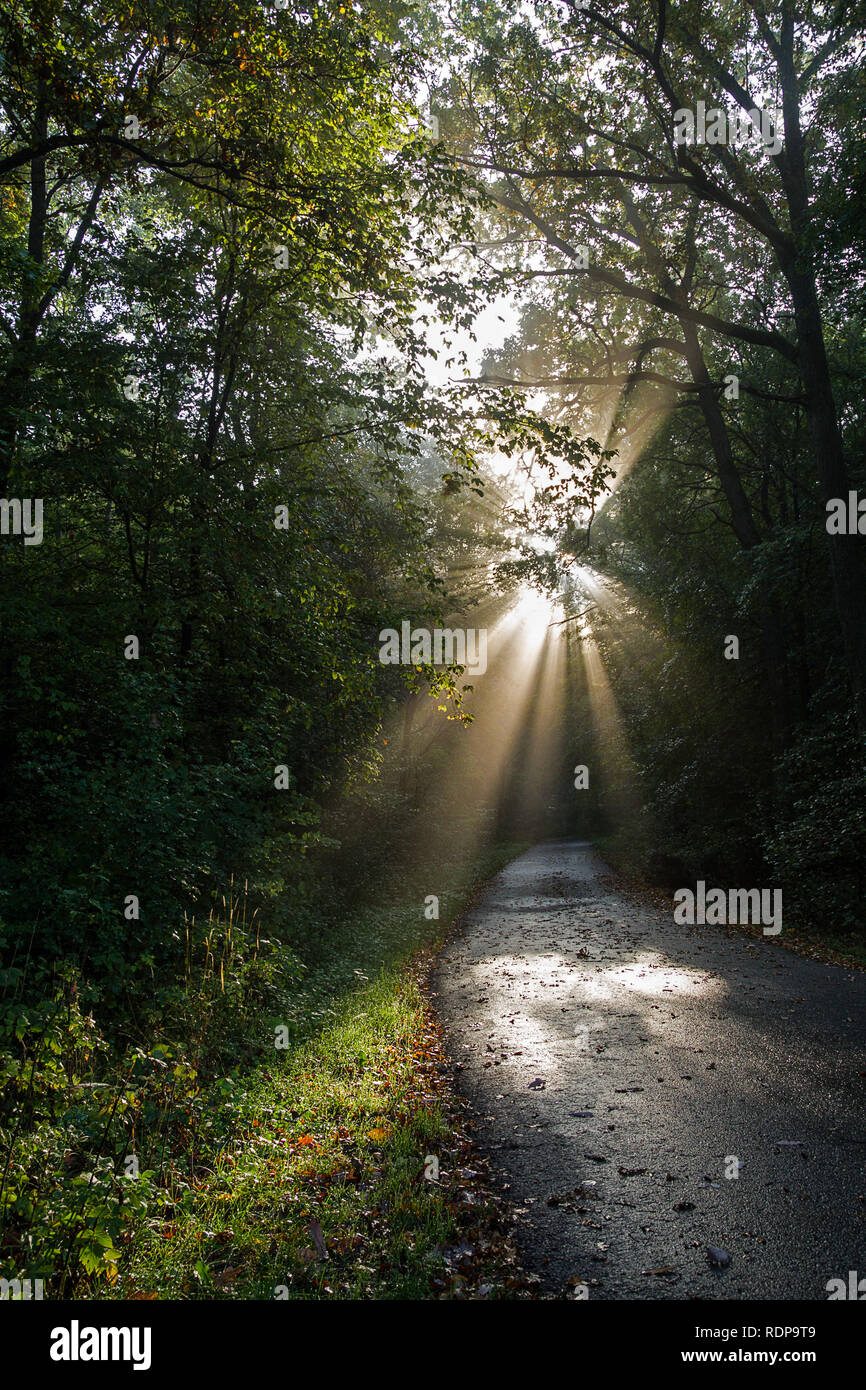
(348,1171)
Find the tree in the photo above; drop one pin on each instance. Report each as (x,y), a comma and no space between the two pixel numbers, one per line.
(589,103)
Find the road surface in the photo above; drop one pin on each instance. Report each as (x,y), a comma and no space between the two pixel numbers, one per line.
(624,1068)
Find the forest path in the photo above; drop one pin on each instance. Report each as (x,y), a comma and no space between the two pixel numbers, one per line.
(699,1044)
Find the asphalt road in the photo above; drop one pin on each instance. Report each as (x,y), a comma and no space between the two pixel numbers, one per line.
(625,1066)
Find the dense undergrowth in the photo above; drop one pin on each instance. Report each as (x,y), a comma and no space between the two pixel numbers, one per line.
(267,1089)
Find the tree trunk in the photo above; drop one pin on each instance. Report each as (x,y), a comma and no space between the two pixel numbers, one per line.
(846,552)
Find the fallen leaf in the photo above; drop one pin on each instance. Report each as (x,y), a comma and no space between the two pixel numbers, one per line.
(318,1239)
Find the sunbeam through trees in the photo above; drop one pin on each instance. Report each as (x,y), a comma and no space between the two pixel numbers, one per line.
(433,654)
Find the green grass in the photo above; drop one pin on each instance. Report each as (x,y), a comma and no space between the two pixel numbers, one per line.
(336,1133)
(320,1189)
